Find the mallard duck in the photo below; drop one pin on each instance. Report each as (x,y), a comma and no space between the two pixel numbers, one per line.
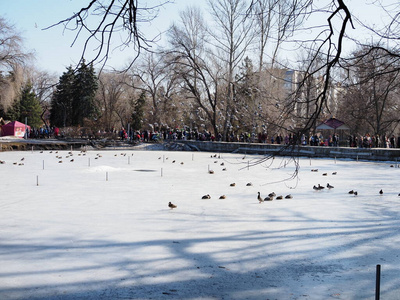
(233,184)
(329,186)
(222,197)
(280,197)
(172,206)
(206,197)
(289,196)
(259,198)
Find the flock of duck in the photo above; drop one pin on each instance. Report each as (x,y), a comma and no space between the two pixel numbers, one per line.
(271,196)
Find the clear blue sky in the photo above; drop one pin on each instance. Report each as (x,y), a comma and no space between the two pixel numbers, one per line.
(53,46)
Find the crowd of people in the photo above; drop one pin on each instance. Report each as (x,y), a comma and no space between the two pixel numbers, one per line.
(331,140)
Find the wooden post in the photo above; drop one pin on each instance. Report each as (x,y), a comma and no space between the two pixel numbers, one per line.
(378,282)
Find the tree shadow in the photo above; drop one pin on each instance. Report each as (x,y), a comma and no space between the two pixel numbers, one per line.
(310,259)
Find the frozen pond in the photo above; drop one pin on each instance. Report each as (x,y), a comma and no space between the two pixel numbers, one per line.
(97,225)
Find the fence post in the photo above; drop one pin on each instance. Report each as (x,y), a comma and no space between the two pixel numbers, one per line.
(378,282)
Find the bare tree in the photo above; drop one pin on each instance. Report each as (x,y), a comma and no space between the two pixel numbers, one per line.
(231,37)
(106,25)
(114,99)
(371,100)
(153,75)
(12,59)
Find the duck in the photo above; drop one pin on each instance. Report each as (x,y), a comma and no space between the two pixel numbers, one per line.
(232,184)
(272,194)
(314,170)
(211,172)
(329,186)
(224,169)
(280,197)
(222,164)
(172,206)
(268,198)
(289,196)
(351,192)
(320,187)
(206,197)
(222,197)
(259,198)
(381,192)
(325,174)
(315,188)
(334,173)
(249,184)
(355,193)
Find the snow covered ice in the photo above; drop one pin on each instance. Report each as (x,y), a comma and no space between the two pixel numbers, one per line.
(99,227)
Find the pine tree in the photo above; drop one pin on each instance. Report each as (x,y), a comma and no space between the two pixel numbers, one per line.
(137,115)
(85,86)
(61,103)
(30,107)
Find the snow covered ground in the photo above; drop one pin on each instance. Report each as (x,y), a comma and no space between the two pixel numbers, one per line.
(99,227)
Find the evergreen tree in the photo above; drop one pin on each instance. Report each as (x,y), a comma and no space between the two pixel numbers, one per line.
(61,103)
(73,100)
(137,115)
(26,106)
(30,107)
(85,86)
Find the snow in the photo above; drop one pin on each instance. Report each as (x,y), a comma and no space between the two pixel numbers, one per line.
(100,227)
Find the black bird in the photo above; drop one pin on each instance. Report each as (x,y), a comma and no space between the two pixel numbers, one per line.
(381,192)
(351,192)
(355,193)
(288,196)
(172,206)
(329,186)
(206,197)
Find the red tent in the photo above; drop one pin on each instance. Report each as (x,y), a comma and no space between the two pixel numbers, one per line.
(14,128)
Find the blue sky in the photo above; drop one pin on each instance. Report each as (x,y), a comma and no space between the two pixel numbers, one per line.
(53,46)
